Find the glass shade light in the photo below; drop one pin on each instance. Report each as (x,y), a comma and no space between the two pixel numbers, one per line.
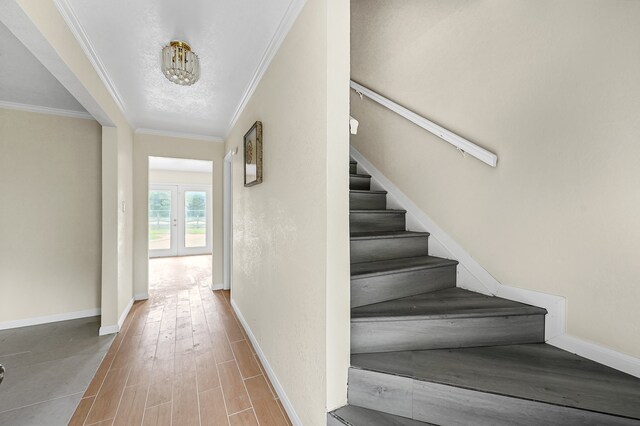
(179,64)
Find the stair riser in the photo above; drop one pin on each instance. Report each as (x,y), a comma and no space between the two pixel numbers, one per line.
(376,222)
(388,248)
(361,183)
(389,336)
(360,201)
(353,168)
(450,405)
(380,288)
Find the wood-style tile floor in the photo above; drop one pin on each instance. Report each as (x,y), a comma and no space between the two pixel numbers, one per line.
(181,358)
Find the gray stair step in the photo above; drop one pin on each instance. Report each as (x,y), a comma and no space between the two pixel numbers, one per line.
(358,416)
(359,181)
(353,167)
(377,220)
(367,200)
(449,318)
(375,246)
(532,384)
(374,282)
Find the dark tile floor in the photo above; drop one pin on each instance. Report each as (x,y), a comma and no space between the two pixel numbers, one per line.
(48,367)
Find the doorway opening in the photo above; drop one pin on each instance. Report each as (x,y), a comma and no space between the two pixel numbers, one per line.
(179,224)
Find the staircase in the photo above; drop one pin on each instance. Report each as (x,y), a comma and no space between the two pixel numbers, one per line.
(427,352)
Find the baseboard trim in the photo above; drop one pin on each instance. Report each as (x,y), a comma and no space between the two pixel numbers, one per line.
(7,325)
(286,403)
(141,296)
(609,357)
(125,313)
(108,329)
(111,329)
(214,287)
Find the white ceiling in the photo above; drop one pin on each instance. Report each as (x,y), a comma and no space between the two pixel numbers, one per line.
(32,84)
(230,37)
(180,165)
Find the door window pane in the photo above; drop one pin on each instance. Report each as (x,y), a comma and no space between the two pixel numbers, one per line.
(195,219)
(159,220)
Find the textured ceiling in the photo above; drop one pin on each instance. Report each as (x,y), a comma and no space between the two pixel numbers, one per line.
(26,81)
(230,37)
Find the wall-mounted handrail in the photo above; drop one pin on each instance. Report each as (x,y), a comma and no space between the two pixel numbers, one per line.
(458,141)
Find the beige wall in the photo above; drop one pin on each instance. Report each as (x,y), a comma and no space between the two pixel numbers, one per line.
(163,146)
(50,215)
(552,88)
(117,146)
(286,280)
(179,178)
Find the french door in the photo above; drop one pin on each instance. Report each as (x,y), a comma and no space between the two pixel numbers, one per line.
(179,220)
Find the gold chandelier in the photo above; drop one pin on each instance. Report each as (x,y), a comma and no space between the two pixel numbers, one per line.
(179,64)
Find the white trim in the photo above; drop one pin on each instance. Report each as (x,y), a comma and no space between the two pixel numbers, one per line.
(601,354)
(141,296)
(180,135)
(108,329)
(124,314)
(286,403)
(214,287)
(471,275)
(474,277)
(458,141)
(227,219)
(290,16)
(49,318)
(111,329)
(46,110)
(72,21)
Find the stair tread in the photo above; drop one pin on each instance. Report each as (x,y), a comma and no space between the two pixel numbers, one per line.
(379,211)
(447,303)
(386,234)
(367,191)
(358,416)
(381,267)
(359,175)
(537,372)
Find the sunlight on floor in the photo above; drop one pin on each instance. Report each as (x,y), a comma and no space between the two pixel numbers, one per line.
(179,273)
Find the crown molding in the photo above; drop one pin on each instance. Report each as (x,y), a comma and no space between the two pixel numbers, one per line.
(179,135)
(46,110)
(76,28)
(290,16)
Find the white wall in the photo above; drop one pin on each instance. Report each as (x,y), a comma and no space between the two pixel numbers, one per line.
(552,88)
(50,215)
(163,146)
(179,178)
(117,145)
(291,245)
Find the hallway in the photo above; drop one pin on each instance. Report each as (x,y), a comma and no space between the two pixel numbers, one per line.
(181,358)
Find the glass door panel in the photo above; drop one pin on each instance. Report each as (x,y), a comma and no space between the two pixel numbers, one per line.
(195,219)
(162,221)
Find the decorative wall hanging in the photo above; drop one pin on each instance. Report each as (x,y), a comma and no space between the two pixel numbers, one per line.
(253,155)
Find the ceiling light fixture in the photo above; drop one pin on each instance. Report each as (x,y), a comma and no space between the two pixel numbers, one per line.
(179,64)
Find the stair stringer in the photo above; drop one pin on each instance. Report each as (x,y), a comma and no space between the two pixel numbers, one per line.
(470,275)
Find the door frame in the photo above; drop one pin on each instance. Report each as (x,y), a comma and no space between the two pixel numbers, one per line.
(227,206)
